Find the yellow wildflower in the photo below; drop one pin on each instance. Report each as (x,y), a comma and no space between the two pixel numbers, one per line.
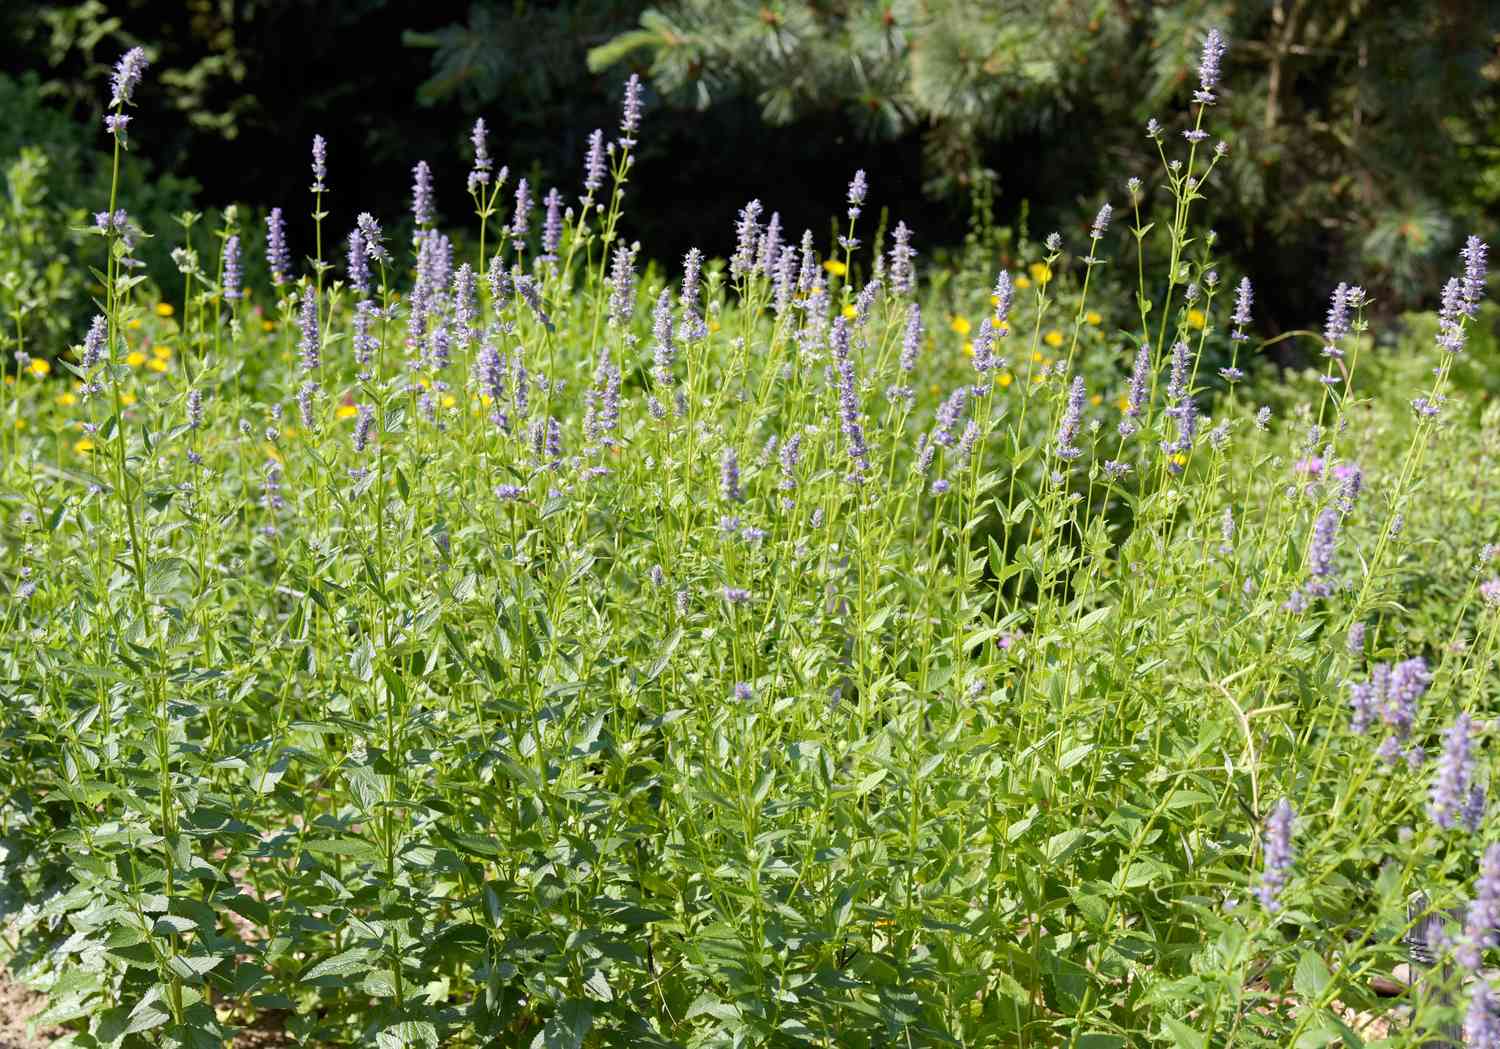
(345,411)
(961,325)
(83,446)
(1093,317)
(850,311)
(267,326)
(714,325)
(1002,329)
(1097,399)
(164,309)
(135,359)
(156,364)
(1053,338)
(934,389)
(1006,379)
(1123,403)
(1040,272)
(133,323)
(161,352)
(837,268)
(127,398)
(67,400)
(1036,357)
(1023,281)
(271,452)
(40,367)
(20,424)
(449,400)
(1179,459)
(968,347)
(1197,318)
(486,400)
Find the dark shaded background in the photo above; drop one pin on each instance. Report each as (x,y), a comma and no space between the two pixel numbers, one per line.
(238,88)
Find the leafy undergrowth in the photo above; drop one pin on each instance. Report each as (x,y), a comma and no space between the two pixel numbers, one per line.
(503,653)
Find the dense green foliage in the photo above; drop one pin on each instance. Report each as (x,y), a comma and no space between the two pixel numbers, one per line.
(488,647)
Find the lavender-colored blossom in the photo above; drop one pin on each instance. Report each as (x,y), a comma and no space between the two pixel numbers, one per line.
(552,225)
(1226,531)
(230,260)
(466,302)
(594,167)
(858,188)
(1320,552)
(849,409)
(1154,129)
(423,211)
(735,595)
(1244,298)
(622,285)
(948,414)
(278,258)
(1278,856)
(1489,591)
(940,486)
(1354,641)
(692,328)
(1003,294)
(127,76)
(359,263)
(1067,430)
(509,493)
(791,455)
(480,174)
(527,290)
(1474,254)
(1337,326)
(305,397)
(319,164)
(630,116)
(1101,222)
(1177,381)
(1208,67)
(1482,918)
(1351,482)
(1116,470)
(1482,1021)
(311,343)
(911,341)
(93,342)
(117,124)
(520,221)
(747,231)
(364,341)
(902,272)
(374,239)
(729,476)
(664,352)
(1454,780)
(364,424)
(768,252)
(271,498)
(1135,398)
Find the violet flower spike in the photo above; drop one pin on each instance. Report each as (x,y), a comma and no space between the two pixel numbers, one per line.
(1455,773)
(594,167)
(127,76)
(319,163)
(232,275)
(1208,67)
(1278,856)
(278,258)
(630,117)
(422,209)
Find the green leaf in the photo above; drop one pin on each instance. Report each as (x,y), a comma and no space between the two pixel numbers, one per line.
(1181,1034)
(566,1027)
(1311,978)
(349,963)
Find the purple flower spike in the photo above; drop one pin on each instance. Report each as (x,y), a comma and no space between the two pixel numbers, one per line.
(319,163)
(232,276)
(1482,1022)
(1455,773)
(278,258)
(127,76)
(630,118)
(594,168)
(1482,920)
(480,175)
(1278,846)
(422,209)
(1067,431)
(1208,67)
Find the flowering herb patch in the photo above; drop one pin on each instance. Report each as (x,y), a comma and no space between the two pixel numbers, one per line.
(435,648)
